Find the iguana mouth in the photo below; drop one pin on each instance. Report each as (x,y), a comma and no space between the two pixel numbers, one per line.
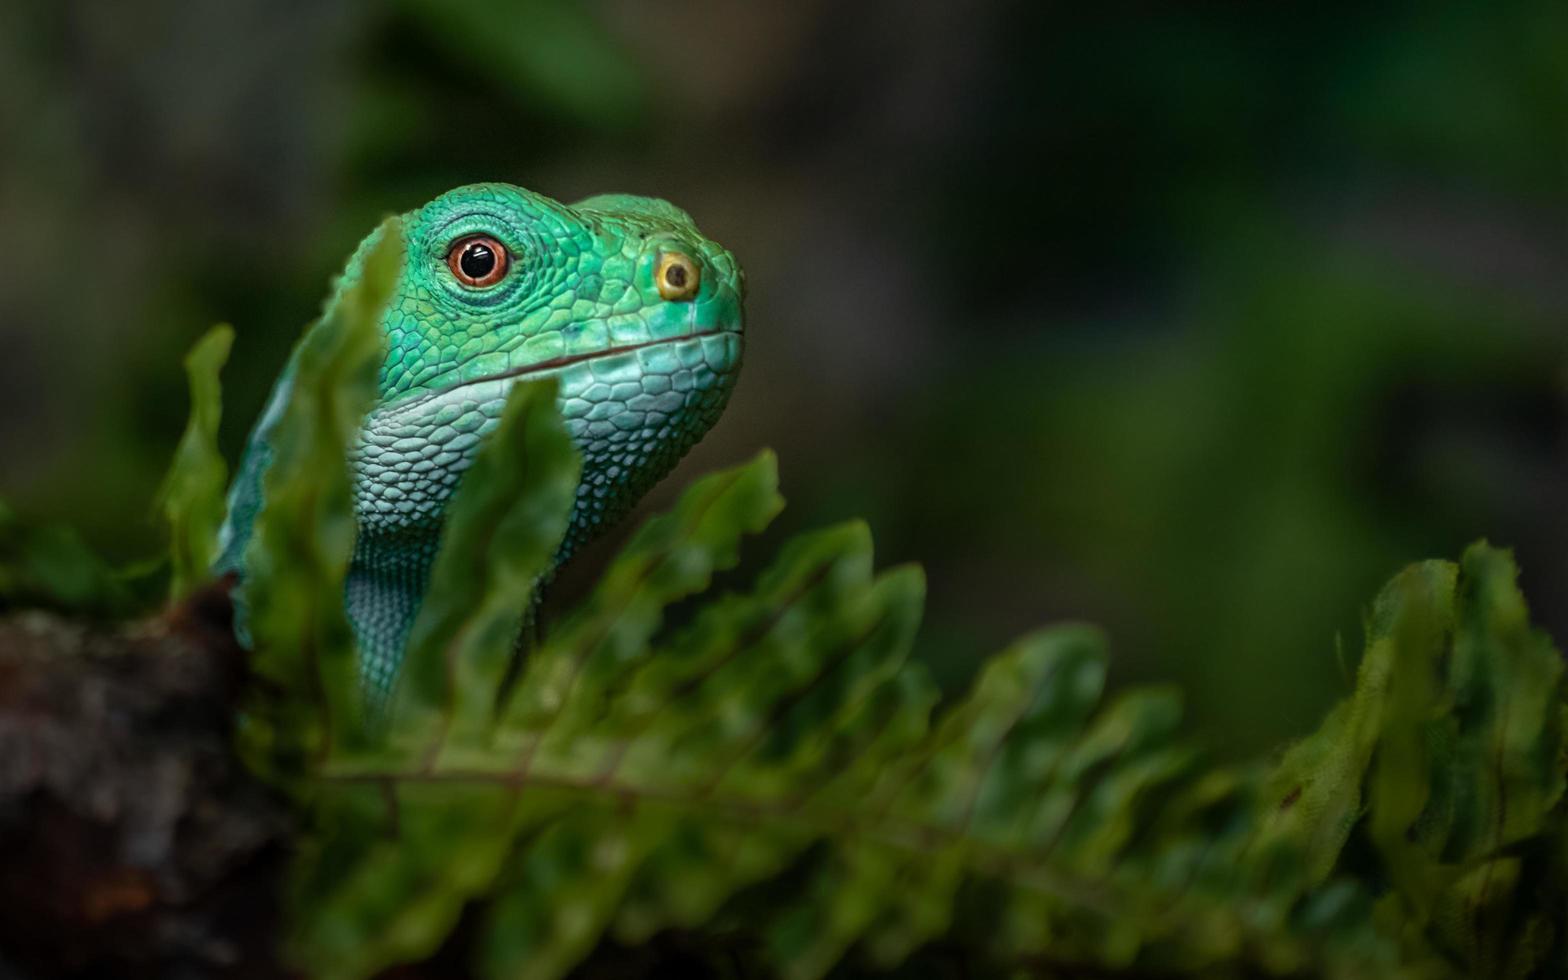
(570,359)
(553,364)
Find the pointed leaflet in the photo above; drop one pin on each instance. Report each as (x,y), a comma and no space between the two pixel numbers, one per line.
(1448,757)
(1506,679)
(1467,810)
(192,493)
(304,534)
(1317,786)
(503,525)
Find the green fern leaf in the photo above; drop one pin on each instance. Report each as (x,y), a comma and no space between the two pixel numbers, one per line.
(304,534)
(192,493)
(1449,760)
(509,516)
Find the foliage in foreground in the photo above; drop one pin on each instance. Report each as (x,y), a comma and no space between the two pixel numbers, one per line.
(775,774)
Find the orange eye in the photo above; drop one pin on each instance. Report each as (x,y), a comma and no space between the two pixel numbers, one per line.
(478,260)
(677,276)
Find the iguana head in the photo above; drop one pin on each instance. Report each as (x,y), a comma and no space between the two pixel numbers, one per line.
(620,298)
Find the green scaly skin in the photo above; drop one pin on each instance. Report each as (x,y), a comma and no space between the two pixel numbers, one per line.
(642,378)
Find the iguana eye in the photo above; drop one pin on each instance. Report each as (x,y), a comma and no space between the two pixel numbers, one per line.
(677,276)
(477,260)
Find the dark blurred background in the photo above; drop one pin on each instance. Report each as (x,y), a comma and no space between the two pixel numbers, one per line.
(1197,323)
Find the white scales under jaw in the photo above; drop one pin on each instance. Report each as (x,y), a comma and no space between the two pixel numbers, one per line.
(620,406)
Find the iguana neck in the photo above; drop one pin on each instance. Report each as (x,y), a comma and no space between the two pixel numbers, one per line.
(620,299)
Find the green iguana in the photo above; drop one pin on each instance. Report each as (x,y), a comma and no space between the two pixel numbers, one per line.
(619,297)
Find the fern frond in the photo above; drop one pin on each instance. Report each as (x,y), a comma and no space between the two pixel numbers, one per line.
(304,535)
(192,494)
(637,779)
(777,768)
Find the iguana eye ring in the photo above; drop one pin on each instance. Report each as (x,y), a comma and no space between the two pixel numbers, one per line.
(478,260)
(677,276)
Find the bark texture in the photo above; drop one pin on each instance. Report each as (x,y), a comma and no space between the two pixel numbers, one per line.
(133,842)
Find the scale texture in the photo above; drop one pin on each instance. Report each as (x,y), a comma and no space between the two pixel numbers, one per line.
(644,372)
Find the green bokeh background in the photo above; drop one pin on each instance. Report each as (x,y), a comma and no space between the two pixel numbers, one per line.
(1197,323)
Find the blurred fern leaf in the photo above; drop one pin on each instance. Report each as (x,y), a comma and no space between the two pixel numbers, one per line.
(192,494)
(304,535)
(1446,769)
(51,566)
(511,516)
